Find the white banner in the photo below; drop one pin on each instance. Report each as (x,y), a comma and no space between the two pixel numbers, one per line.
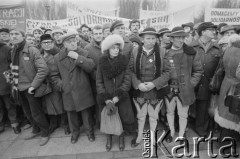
(144,14)
(76,22)
(164,21)
(219,15)
(74,9)
(47,24)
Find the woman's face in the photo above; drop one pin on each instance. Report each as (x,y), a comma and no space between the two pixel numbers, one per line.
(114,50)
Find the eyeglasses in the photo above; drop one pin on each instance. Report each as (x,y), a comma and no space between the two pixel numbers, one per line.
(47,42)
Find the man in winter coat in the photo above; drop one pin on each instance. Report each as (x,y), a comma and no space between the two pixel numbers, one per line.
(5,90)
(94,50)
(119,28)
(150,75)
(186,72)
(29,71)
(70,76)
(210,54)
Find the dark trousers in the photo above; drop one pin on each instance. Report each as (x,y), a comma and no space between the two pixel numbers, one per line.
(10,107)
(33,110)
(58,120)
(74,121)
(202,117)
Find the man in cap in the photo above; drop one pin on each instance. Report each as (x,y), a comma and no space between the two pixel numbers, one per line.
(150,75)
(164,38)
(210,54)
(29,71)
(4,35)
(57,33)
(186,72)
(119,28)
(37,33)
(70,76)
(228,30)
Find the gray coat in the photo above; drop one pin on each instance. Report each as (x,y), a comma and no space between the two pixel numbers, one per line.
(71,78)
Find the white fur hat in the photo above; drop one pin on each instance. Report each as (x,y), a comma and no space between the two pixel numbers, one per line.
(110,40)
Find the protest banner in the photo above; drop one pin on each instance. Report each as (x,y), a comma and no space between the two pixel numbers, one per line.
(220,15)
(74,9)
(148,14)
(47,24)
(12,16)
(75,22)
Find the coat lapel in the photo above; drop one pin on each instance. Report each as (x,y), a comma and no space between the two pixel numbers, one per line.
(64,59)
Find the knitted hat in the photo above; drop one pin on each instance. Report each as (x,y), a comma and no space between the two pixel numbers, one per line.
(205,25)
(135,39)
(178,31)
(4,30)
(45,37)
(116,24)
(110,40)
(149,31)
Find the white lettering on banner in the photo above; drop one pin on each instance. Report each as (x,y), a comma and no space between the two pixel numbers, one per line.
(12,13)
(12,22)
(223,15)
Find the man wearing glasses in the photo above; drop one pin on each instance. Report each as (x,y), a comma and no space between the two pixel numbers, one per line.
(70,76)
(210,54)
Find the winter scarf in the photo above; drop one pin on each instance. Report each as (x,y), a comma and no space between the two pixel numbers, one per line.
(15,63)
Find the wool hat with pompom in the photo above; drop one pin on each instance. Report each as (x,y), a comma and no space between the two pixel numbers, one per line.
(111,40)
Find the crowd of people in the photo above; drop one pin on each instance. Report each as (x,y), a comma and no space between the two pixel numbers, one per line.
(57,78)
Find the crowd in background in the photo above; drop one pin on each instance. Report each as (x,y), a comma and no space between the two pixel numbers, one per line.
(56,78)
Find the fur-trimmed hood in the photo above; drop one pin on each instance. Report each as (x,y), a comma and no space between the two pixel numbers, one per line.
(111,68)
(110,41)
(234,41)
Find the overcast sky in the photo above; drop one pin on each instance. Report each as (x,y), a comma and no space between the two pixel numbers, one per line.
(109,4)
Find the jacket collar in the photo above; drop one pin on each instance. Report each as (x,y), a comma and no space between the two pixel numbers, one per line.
(196,43)
(93,42)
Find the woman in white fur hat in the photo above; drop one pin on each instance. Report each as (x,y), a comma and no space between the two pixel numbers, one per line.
(113,81)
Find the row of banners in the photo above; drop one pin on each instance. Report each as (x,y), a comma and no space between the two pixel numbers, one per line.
(164,20)
(15,16)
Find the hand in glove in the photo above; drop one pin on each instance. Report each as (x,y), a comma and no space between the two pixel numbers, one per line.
(111,108)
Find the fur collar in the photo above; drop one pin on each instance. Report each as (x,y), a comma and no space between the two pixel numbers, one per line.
(111,68)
